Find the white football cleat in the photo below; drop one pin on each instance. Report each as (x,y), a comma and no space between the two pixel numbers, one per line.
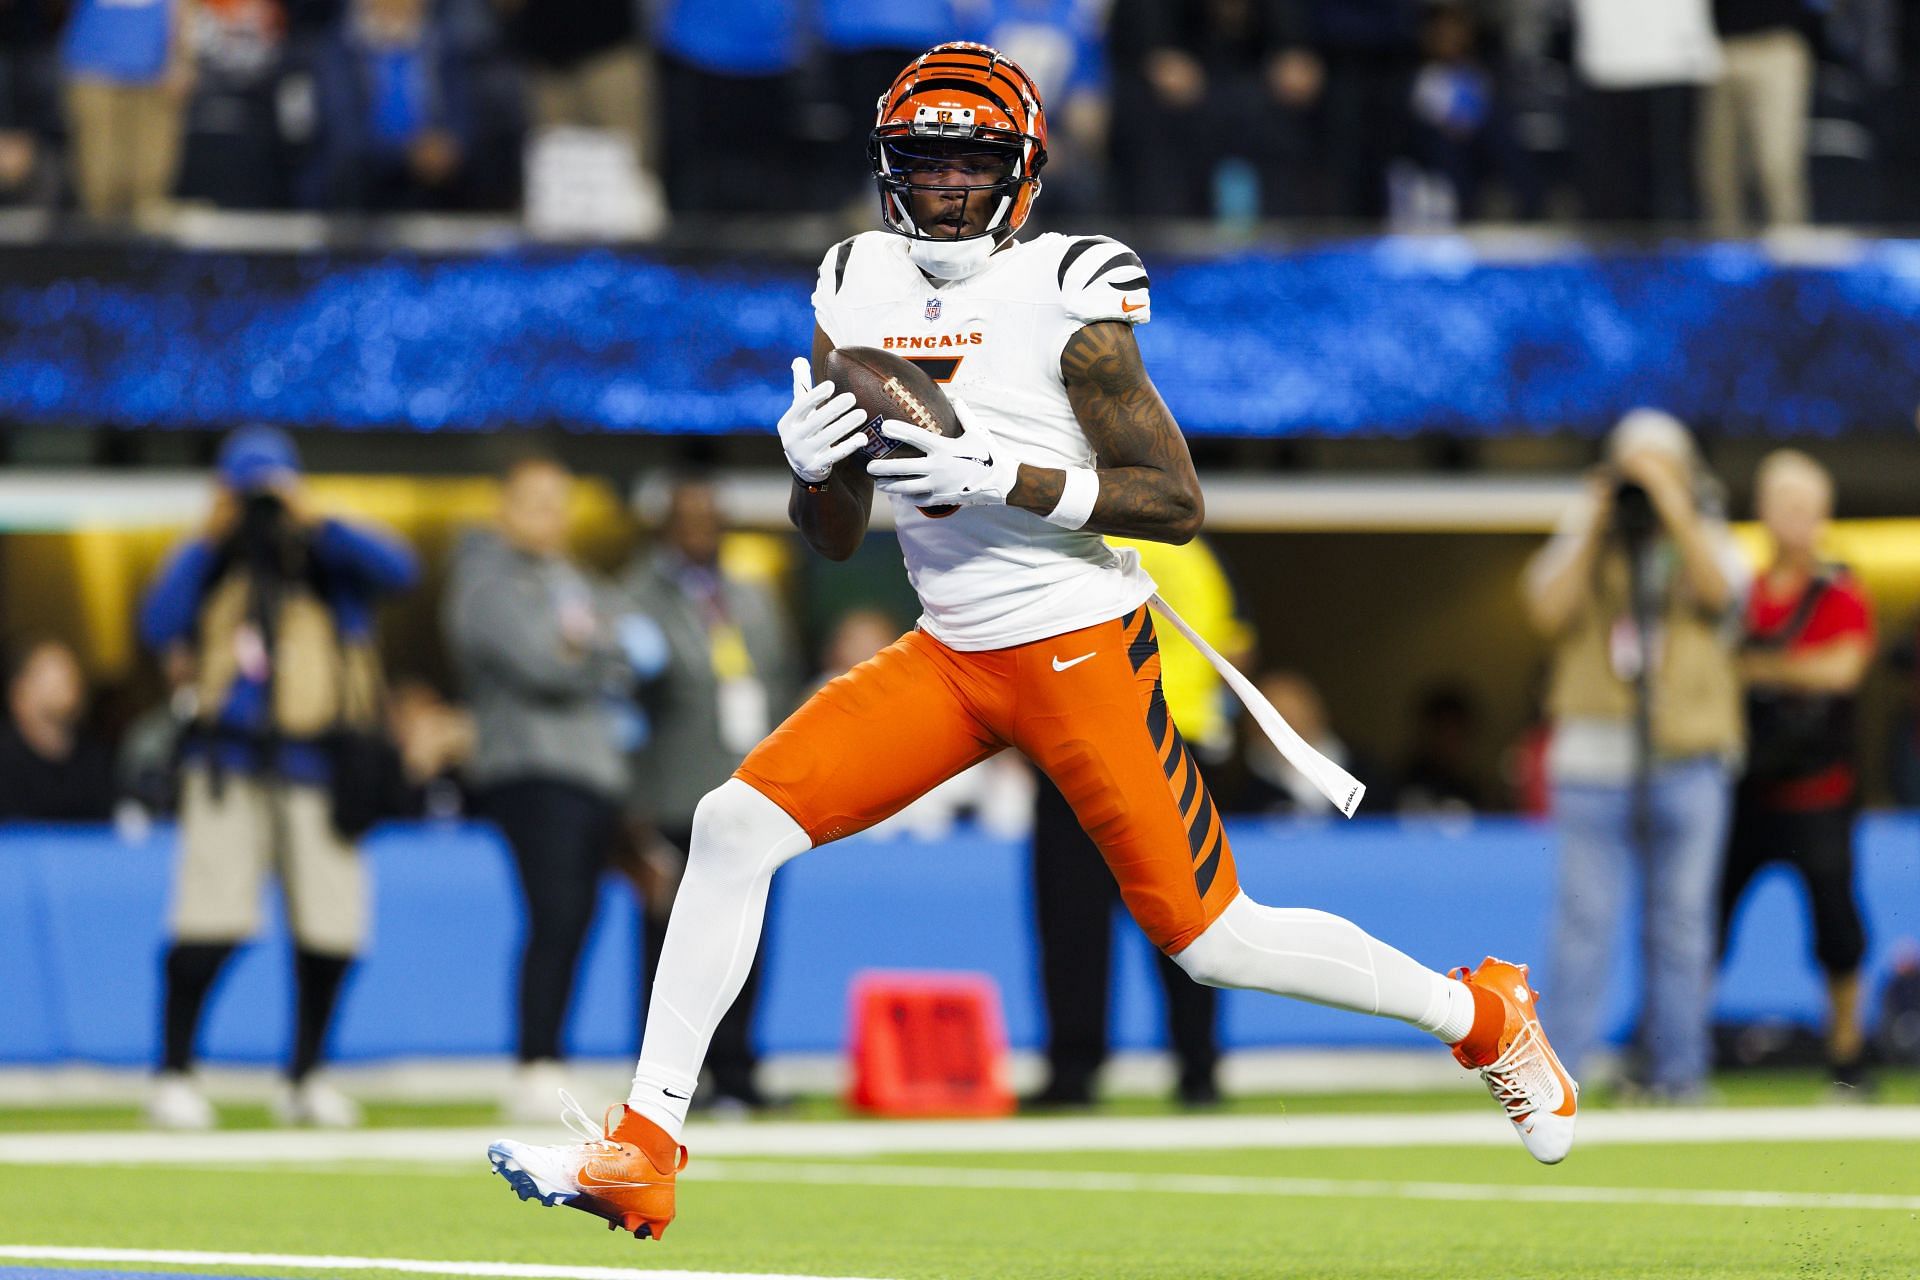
(1524,1077)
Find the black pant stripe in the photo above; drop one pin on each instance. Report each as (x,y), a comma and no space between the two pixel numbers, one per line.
(1193,777)
(1144,646)
(1203,877)
(1157,725)
(1202,824)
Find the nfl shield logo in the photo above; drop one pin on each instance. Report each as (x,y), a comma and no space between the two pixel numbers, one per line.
(933,308)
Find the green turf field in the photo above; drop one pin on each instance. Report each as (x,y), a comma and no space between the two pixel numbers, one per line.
(1627,1211)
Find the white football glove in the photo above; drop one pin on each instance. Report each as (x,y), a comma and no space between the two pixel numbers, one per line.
(967,470)
(819,428)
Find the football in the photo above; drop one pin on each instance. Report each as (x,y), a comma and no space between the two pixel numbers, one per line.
(886,386)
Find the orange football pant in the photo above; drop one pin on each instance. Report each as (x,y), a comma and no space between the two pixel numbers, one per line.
(1084,706)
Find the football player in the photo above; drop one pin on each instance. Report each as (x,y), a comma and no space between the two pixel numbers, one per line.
(1035,635)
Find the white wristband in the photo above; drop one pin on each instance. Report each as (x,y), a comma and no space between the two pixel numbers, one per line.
(1077,497)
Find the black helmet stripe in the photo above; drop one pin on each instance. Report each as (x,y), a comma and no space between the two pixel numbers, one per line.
(1023,87)
(921,86)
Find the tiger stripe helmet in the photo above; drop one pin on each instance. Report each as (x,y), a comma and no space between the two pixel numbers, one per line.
(961,91)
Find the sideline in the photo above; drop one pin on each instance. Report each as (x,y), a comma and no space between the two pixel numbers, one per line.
(418,1266)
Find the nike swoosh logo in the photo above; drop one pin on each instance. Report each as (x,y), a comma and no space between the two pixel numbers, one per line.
(684,1097)
(1071,662)
(1126,306)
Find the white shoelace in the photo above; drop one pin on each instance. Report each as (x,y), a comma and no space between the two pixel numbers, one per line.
(1521,1080)
(581,1125)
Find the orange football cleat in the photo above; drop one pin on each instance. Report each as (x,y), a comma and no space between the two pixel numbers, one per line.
(622,1171)
(1521,1071)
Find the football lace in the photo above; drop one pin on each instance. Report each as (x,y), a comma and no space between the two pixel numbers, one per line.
(921,415)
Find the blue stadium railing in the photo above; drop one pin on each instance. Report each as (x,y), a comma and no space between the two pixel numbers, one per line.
(82,926)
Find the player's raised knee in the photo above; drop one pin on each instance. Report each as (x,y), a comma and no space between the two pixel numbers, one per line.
(1210,959)
(735,821)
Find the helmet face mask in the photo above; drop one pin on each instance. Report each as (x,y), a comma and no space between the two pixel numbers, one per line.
(957,146)
(947,189)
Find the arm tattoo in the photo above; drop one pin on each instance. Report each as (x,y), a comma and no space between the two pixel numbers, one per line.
(1147,484)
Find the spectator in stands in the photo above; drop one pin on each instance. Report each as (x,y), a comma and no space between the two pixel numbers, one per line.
(1204,91)
(1074,894)
(129,68)
(1441,775)
(29,105)
(857,636)
(1059,44)
(730,133)
(1524,776)
(1460,135)
(1265,783)
(731,672)
(1644,739)
(235,155)
(1370,48)
(534,641)
(1641,64)
(393,112)
(1753,121)
(1809,641)
(51,769)
(867,42)
(276,603)
(586,67)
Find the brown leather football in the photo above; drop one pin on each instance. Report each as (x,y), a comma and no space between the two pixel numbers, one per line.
(886,386)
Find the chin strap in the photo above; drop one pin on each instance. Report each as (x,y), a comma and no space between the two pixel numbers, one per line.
(951,259)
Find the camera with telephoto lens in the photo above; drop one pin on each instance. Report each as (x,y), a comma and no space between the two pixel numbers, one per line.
(1634,518)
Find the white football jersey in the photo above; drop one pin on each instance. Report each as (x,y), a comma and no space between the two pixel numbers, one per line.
(994,576)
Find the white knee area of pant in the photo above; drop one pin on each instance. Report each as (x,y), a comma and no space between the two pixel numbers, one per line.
(1317,956)
(1275,949)
(739,833)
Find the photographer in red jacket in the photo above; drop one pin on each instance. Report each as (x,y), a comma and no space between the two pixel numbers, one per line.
(1809,639)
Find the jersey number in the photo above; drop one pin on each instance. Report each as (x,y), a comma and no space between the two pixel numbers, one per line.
(939,368)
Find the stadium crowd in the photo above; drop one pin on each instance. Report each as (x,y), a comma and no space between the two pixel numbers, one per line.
(1420,111)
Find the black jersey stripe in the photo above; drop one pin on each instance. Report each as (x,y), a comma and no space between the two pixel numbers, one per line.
(840,263)
(1125,258)
(1072,255)
(1126,286)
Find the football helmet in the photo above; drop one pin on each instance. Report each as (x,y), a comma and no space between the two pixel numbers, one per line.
(959,99)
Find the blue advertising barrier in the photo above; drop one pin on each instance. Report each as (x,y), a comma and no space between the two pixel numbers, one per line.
(1365,337)
(82,927)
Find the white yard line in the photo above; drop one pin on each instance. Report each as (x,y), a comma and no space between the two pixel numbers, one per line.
(921,1177)
(1090,1133)
(312,1262)
(1229,1185)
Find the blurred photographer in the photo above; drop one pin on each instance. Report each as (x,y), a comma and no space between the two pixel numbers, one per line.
(281,764)
(1640,592)
(1809,641)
